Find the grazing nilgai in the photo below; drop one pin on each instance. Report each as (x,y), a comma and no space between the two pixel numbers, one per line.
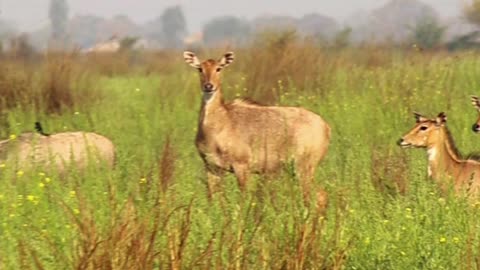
(476,104)
(243,137)
(57,151)
(445,163)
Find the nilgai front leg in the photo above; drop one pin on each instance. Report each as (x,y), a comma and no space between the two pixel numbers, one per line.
(241,172)
(213,182)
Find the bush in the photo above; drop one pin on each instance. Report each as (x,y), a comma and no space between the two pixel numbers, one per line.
(59,85)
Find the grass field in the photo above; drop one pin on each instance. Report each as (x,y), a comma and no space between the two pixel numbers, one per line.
(151,211)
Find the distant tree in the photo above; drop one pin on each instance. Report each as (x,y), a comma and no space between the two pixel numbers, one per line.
(20,47)
(6,30)
(343,38)
(174,26)
(85,30)
(391,22)
(317,25)
(58,15)
(153,29)
(471,11)
(428,32)
(466,41)
(226,29)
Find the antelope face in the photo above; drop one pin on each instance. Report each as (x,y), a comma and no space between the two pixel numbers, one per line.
(476,104)
(209,70)
(424,133)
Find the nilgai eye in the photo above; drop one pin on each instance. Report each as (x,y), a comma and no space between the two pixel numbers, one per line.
(423,128)
(219,69)
(200,70)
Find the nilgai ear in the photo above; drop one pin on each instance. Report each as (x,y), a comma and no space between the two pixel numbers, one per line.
(419,117)
(441,119)
(476,102)
(191,59)
(227,59)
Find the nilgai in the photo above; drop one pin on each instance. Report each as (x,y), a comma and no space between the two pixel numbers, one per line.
(243,137)
(476,104)
(445,163)
(57,151)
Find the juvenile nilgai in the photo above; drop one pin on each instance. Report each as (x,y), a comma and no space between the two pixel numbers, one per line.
(243,137)
(57,151)
(446,166)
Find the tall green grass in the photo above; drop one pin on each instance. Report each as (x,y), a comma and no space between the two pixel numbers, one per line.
(151,211)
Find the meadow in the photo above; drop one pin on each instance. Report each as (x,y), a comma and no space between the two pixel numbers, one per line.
(152,212)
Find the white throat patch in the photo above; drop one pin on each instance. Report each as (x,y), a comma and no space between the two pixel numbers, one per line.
(432,154)
(207,97)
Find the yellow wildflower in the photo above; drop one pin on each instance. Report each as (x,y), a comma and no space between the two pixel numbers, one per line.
(20,173)
(443,239)
(13,137)
(41,185)
(367,241)
(73,193)
(2,165)
(48,180)
(76,211)
(143,181)
(31,198)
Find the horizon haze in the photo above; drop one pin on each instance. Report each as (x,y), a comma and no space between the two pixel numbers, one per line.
(199,12)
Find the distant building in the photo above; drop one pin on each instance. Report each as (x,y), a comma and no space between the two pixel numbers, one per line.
(193,40)
(111,45)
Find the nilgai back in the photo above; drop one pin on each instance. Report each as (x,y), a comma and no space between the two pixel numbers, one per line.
(244,137)
(57,151)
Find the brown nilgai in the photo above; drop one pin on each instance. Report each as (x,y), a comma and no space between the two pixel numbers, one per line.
(446,166)
(57,151)
(476,104)
(243,137)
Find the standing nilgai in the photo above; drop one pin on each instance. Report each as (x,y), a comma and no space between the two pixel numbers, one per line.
(243,137)
(58,150)
(445,164)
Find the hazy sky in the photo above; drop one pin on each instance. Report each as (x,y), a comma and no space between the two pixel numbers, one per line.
(32,14)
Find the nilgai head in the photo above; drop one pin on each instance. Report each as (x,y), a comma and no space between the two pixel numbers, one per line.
(476,104)
(425,132)
(209,70)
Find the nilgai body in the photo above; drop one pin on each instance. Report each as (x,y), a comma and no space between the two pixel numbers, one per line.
(58,151)
(243,137)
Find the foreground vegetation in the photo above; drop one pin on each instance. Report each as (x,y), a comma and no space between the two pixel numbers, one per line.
(152,211)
